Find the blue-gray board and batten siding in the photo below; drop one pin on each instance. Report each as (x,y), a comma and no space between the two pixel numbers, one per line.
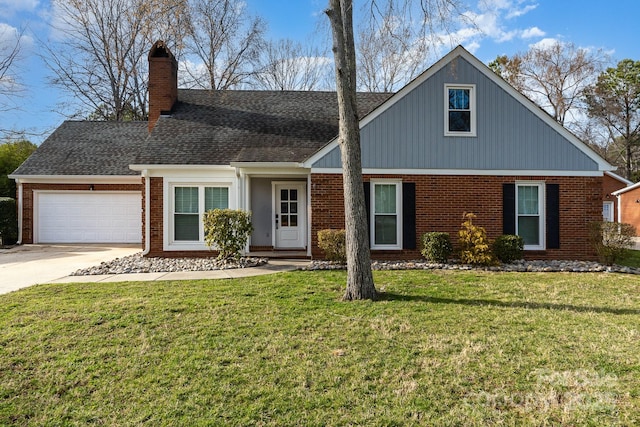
(410,134)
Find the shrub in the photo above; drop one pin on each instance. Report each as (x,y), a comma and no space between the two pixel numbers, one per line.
(8,221)
(228,230)
(508,248)
(475,246)
(611,240)
(333,244)
(437,246)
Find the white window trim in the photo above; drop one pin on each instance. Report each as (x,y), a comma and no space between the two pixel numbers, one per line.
(170,244)
(472,107)
(372,229)
(611,211)
(541,213)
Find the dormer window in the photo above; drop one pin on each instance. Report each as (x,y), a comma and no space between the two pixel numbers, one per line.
(460,110)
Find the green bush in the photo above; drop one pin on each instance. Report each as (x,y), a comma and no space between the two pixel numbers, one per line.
(508,248)
(611,240)
(227,230)
(475,246)
(333,244)
(436,246)
(8,221)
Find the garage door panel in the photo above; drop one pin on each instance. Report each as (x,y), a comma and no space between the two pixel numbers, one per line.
(73,217)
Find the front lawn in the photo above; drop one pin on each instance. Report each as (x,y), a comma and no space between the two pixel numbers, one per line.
(440,348)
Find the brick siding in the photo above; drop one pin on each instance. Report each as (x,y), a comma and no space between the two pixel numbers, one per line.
(630,205)
(441,202)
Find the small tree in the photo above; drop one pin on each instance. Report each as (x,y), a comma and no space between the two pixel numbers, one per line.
(8,221)
(611,240)
(436,246)
(475,246)
(333,244)
(508,248)
(227,230)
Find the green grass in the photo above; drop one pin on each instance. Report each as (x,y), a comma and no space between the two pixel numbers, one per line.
(440,348)
(631,260)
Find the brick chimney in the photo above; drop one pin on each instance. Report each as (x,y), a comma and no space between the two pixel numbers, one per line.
(163,81)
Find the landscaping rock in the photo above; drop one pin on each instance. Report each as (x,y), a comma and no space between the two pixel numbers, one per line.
(138,264)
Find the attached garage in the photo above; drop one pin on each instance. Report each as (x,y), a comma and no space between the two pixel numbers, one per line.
(87,217)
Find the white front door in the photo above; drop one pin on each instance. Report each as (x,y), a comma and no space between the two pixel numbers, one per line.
(290,215)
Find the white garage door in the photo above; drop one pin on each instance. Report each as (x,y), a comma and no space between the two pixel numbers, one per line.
(88,217)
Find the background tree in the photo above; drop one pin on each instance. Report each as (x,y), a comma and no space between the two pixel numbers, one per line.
(12,154)
(100,57)
(614,101)
(555,76)
(225,41)
(389,52)
(360,283)
(9,54)
(290,65)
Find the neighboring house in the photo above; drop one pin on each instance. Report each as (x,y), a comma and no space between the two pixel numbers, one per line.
(629,205)
(456,139)
(611,183)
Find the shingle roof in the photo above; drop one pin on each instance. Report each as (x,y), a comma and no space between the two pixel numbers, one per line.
(88,148)
(212,127)
(205,128)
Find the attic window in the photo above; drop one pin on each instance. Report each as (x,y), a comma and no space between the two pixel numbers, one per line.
(460,110)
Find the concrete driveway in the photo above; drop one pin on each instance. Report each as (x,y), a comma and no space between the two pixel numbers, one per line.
(27,265)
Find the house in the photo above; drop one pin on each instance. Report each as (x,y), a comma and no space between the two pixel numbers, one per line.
(456,139)
(628,205)
(611,183)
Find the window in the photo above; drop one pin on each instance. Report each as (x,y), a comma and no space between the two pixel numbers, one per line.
(190,203)
(607,211)
(529,214)
(460,115)
(385,226)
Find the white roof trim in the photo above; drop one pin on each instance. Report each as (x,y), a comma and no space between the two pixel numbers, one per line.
(461,172)
(625,189)
(80,179)
(619,178)
(460,51)
(183,167)
(248,165)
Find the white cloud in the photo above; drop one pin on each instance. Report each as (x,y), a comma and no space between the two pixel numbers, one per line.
(545,43)
(514,13)
(532,32)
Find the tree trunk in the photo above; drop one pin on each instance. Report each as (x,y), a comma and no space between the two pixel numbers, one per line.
(359,277)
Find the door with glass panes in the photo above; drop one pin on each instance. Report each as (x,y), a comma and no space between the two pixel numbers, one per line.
(289,215)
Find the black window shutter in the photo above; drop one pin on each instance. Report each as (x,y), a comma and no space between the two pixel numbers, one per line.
(367,205)
(553,216)
(408,215)
(508,208)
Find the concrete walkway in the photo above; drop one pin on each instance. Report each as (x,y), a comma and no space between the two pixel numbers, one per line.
(27,265)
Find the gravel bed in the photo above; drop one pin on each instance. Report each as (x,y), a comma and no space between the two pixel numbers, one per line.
(136,263)
(517,266)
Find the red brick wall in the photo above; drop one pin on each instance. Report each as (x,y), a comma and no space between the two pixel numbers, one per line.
(609,185)
(155,218)
(163,82)
(441,202)
(631,208)
(27,199)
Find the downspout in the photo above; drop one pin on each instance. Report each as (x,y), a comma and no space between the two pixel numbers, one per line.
(19,212)
(147,212)
(619,207)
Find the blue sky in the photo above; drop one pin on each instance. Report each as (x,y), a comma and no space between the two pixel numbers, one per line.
(507,27)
